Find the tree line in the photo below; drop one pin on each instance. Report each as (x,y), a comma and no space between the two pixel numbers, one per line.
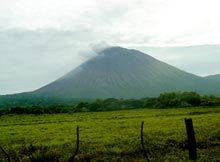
(164,100)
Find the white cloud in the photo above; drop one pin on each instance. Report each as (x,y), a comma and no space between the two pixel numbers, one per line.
(173,22)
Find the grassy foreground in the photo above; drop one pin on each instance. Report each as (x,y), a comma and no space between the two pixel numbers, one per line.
(111,136)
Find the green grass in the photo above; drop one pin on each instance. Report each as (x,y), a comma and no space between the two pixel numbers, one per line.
(111,136)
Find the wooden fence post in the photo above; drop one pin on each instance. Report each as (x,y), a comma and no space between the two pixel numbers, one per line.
(6,155)
(142,142)
(71,159)
(191,139)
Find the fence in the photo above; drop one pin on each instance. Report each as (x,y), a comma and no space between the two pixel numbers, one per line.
(190,135)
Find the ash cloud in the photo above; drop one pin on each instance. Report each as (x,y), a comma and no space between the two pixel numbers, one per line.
(93,49)
(100,46)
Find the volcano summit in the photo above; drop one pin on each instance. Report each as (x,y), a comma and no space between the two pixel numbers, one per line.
(125,73)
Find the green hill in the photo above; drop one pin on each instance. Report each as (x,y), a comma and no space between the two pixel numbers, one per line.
(214,77)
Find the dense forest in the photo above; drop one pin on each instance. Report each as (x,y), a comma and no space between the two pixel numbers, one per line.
(164,100)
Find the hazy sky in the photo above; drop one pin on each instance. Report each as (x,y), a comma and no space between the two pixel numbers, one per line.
(40,40)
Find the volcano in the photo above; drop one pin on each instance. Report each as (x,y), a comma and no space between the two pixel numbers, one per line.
(125,73)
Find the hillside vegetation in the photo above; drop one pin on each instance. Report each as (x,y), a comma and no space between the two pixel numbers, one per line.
(50,106)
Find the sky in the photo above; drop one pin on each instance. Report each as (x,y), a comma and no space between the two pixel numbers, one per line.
(41,40)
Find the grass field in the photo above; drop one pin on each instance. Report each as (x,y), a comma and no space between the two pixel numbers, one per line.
(111,136)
